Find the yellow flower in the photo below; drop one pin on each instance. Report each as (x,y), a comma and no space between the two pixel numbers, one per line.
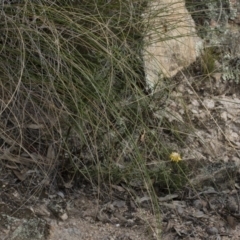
(175,157)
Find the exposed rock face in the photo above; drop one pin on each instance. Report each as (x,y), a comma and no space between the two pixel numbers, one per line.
(171,42)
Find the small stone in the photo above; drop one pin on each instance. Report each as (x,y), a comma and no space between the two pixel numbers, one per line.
(209,103)
(180,210)
(212,230)
(232,204)
(224,116)
(194,111)
(198,204)
(63,217)
(195,103)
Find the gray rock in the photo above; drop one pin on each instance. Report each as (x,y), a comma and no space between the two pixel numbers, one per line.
(212,230)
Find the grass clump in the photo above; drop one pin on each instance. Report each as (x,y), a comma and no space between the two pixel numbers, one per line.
(74,105)
(208,62)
